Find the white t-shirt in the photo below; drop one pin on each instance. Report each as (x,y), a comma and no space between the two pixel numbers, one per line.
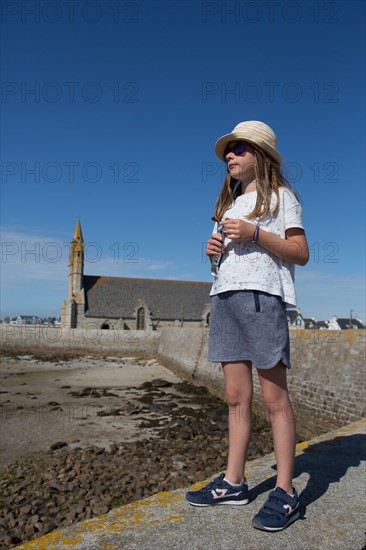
(248,266)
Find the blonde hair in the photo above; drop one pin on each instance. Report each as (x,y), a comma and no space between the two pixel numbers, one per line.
(269,178)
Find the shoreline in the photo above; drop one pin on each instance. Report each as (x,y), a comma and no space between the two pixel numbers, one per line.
(103,431)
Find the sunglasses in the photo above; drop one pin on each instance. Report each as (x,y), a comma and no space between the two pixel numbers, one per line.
(237,148)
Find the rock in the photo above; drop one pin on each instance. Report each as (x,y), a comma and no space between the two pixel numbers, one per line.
(79,508)
(24,510)
(29,531)
(110,412)
(34,519)
(56,487)
(179,464)
(100,509)
(160,408)
(41,509)
(222,426)
(113,449)
(7,541)
(11,521)
(58,445)
(160,383)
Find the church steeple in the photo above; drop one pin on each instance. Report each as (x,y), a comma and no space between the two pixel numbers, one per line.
(74,306)
(78,234)
(76,264)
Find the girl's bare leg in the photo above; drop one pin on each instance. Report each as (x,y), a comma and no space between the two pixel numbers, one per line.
(275,395)
(239,391)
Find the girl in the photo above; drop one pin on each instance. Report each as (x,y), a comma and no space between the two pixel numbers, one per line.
(257,240)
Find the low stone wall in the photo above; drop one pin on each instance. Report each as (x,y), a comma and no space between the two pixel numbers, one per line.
(86,339)
(326,381)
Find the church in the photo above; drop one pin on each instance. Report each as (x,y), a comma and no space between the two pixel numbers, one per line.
(125,303)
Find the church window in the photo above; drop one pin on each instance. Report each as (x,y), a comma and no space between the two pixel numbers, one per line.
(140,319)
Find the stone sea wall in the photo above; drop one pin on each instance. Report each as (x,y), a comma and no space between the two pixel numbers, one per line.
(88,338)
(326,381)
(328,377)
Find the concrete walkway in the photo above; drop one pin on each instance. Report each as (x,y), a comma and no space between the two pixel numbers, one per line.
(330,476)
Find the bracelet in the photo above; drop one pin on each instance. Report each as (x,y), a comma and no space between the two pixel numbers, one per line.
(256,234)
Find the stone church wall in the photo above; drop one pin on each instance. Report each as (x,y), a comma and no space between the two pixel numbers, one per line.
(97,323)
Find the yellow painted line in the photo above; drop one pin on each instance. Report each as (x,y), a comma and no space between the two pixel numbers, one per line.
(351,428)
(302,445)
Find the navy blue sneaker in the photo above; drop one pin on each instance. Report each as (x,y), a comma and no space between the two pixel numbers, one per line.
(279,510)
(219,492)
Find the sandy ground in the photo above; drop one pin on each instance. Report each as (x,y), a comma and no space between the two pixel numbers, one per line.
(38,410)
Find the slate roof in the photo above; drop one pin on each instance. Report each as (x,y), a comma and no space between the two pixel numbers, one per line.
(321,324)
(116,297)
(344,323)
(309,322)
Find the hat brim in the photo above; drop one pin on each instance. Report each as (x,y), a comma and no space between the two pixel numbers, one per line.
(222,142)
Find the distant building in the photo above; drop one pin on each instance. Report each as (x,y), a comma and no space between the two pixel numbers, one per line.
(129,303)
(321,325)
(294,318)
(309,322)
(344,323)
(25,320)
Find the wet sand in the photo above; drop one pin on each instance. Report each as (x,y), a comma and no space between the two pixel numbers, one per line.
(45,402)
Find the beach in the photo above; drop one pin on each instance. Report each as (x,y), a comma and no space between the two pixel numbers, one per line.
(81,434)
(45,402)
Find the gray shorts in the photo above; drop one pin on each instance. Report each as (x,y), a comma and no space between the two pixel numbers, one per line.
(249,325)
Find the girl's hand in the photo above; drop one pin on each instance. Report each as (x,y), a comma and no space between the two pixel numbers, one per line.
(238,230)
(214,245)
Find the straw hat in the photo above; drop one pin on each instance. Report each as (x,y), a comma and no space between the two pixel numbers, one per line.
(252,131)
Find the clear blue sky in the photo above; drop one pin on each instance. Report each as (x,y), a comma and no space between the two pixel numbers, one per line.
(110,111)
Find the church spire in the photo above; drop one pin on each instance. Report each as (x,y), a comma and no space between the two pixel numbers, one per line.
(76,264)
(75,303)
(78,235)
